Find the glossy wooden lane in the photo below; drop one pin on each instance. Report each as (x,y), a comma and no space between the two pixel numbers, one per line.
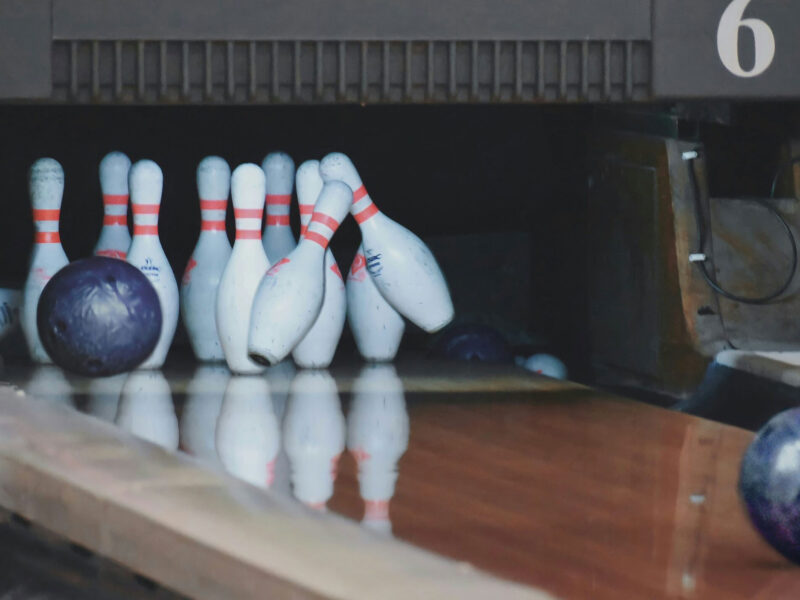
(564,488)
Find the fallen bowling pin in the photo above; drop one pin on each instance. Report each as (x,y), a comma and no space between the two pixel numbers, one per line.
(377,327)
(401,265)
(543,364)
(279,241)
(245,268)
(46,188)
(146,182)
(290,295)
(115,239)
(316,349)
(203,272)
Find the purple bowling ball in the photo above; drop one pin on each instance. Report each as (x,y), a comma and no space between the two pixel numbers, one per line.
(98,317)
(769,483)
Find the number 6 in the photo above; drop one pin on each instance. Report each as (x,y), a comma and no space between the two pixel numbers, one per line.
(728,40)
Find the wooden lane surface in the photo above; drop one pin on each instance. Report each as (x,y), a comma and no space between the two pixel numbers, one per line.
(580,493)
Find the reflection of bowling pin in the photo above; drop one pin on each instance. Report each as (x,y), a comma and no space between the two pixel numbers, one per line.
(401,265)
(313,436)
(316,349)
(244,270)
(248,435)
(49,383)
(200,412)
(146,409)
(103,396)
(290,296)
(204,270)
(278,169)
(114,239)
(376,326)
(46,188)
(146,254)
(10,303)
(543,364)
(377,436)
(280,379)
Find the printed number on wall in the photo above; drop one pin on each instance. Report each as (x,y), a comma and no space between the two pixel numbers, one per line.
(728,31)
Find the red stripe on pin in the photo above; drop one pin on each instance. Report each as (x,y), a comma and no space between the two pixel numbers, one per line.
(277,219)
(306,209)
(335,269)
(303,229)
(359,193)
(47,237)
(248,213)
(115,220)
(315,237)
(45,214)
(365,214)
(146,209)
(279,199)
(329,222)
(213,204)
(248,234)
(212,226)
(112,254)
(145,229)
(116,199)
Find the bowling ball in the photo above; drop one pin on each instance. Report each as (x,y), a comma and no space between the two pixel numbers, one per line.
(99,316)
(769,483)
(472,342)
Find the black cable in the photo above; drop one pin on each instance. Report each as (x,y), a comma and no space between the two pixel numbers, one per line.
(701,236)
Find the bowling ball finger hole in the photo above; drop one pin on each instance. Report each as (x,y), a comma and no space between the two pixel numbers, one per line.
(61,326)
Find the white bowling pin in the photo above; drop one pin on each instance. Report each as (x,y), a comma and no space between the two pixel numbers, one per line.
(146,409)
(46,188)
(49,383)
(248,434)
(203,272)
(401,265)
(290,296)
(377,436)
(146,254)
(278,238)
(280,379)
(245,268)
(316,349)
(313,436)
(376,326)
(115,239)
(544,364)
(103,394)
(200,412)
(10,305)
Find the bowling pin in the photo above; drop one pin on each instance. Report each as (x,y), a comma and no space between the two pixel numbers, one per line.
(280,379)
(401,265)
(376,326)
(377,437)
(200,412)
(245,268)
(203,272)
(46,188)
(289,297)
(248,434)
(10,304)
(50,384)
(146,409)
(115,239)
(103,394)
(313,436)
(146,254)
(278,168)
(543,364)
(316,349)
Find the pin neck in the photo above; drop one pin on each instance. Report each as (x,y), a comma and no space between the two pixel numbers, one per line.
(363,207)
(248,223)
(115,200)
(212,215)
(321,229)
(145,219)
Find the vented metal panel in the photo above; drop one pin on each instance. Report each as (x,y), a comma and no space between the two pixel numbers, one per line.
(88,71)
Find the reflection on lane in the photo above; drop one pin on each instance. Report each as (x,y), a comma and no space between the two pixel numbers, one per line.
(201,409)
(248,435)
(314,432)
(146,409)
(50,384)
(377,436)
(103,394)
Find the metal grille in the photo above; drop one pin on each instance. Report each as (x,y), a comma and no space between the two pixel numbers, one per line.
(349,72)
